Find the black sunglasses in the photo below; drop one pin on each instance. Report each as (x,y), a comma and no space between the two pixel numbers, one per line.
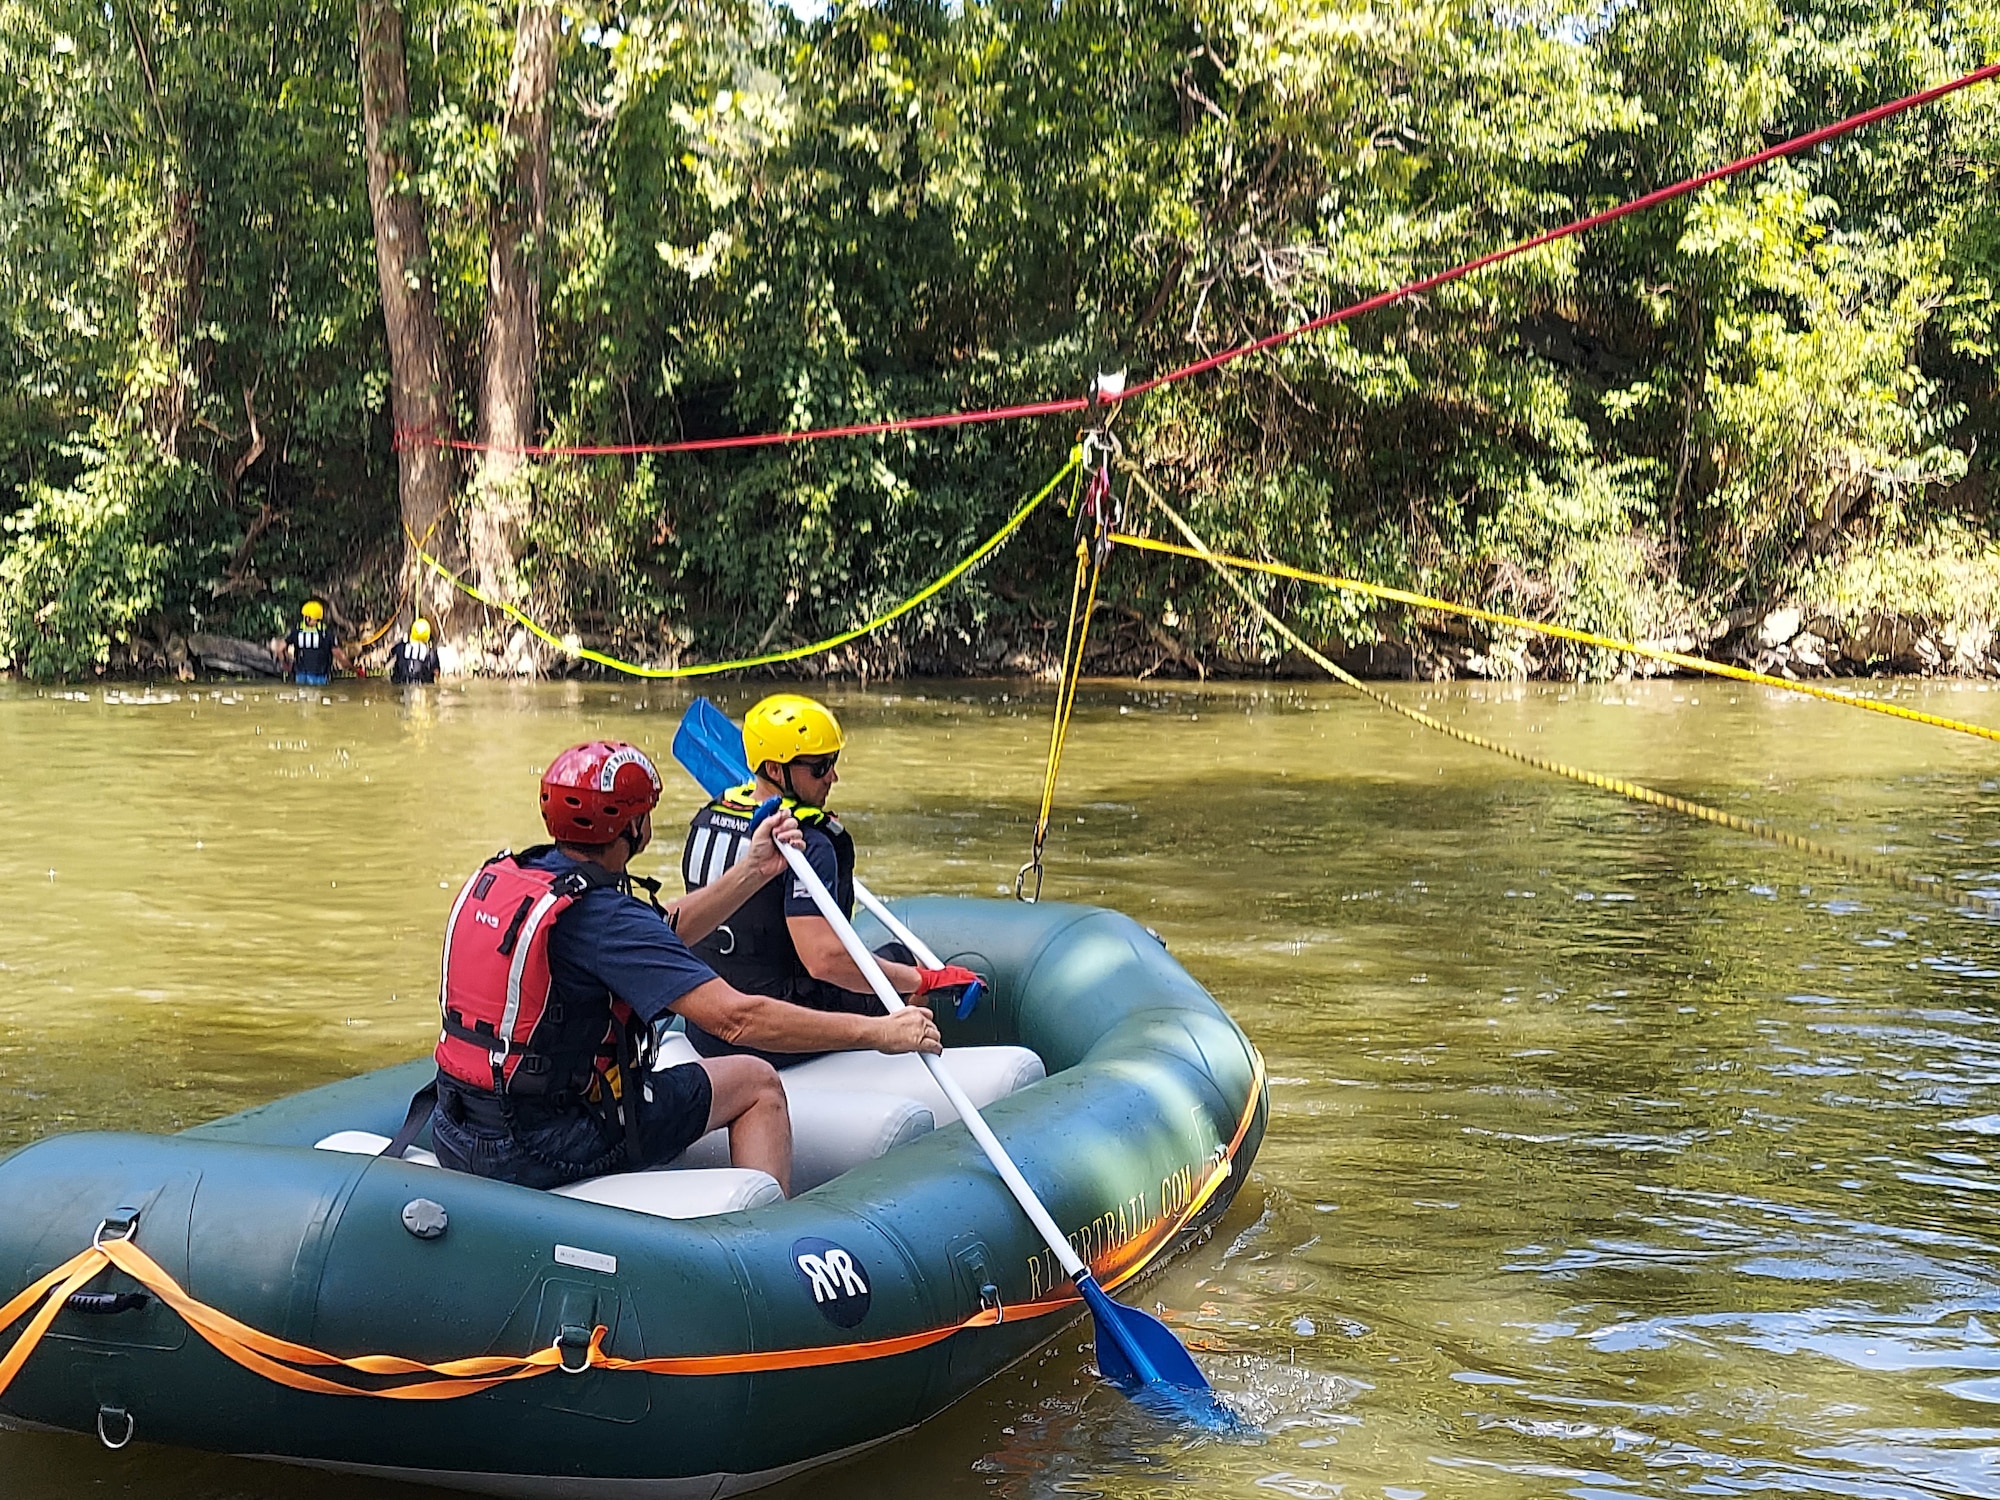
(816,765)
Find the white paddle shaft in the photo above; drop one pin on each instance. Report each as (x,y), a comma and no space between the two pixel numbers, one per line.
(996,1153)
(926,955)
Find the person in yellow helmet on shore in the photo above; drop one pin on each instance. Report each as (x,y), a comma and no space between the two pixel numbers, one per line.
(777,943)
(416,659)
(311,650)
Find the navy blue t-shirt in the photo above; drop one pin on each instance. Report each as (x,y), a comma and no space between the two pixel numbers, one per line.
(826,864)
(608,943)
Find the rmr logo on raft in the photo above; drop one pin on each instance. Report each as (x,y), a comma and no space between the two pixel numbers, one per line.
(837,1281)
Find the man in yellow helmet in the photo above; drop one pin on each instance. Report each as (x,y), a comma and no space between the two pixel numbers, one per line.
(310,648)
(777,943)
(415,660)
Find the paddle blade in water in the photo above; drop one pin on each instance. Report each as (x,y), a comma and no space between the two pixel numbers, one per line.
(1140,1355)
(710,747)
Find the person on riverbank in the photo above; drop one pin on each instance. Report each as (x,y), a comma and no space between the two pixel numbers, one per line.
(311,648)
(777,943)
(416,659)
(555,974)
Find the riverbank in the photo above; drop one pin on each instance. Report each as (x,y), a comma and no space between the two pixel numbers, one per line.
(1787,640)
(1926,605)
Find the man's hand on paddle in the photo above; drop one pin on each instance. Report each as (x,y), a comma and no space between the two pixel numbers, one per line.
(910,1029)
(763,856)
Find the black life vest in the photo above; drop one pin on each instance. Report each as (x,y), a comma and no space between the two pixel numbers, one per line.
(414,661)
(753,949)
(504,1031)
(312,650)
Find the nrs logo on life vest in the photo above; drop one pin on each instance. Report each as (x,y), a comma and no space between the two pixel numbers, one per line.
(837,1281)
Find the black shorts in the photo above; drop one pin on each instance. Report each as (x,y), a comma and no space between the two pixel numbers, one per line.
(547,1149)
(674,1107)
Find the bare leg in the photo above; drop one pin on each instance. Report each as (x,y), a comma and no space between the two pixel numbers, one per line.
(749,1099)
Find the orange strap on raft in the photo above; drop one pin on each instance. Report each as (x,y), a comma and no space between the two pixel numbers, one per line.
(275,1358)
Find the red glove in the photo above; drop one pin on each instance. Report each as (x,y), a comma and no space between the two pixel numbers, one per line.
(950,977)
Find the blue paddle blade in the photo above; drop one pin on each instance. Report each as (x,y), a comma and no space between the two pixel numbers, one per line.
(710,748)
(968,999)
(1140,1355)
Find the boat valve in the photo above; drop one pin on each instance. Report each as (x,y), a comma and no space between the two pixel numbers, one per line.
(574,1341)
(110,1418)
(425,1219)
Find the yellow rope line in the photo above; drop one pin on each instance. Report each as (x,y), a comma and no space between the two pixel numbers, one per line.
(1564,633)
(702,669)
(1083,591)
(402,597)
(1090,559)
(1770,833)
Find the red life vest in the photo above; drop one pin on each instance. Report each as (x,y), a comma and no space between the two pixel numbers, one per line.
(501,1032)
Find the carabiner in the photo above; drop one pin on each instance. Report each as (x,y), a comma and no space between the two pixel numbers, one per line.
(1020,881)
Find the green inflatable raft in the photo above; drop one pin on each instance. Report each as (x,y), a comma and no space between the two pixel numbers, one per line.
(261,1286)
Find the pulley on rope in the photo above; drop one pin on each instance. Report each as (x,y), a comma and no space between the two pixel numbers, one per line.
(1098,516)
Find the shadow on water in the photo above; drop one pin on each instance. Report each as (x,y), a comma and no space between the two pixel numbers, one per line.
(1609,1154)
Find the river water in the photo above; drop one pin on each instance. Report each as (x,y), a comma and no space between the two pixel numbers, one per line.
(1610,1154)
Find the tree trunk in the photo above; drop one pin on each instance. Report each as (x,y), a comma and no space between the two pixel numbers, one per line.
(167,270)
(513,294)
(420,381)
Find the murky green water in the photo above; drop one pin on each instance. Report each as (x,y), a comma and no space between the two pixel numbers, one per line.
(1610,1155)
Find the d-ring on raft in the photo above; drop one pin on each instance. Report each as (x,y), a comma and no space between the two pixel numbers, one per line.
(324,1307)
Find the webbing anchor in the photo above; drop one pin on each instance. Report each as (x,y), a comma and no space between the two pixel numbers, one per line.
(575,1341)
(114,1416)
(123,1224)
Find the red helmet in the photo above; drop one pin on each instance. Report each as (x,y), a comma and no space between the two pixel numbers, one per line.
(592,793)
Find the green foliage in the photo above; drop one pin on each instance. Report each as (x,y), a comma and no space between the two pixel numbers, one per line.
(1942,573)
(759,221)
(84,564)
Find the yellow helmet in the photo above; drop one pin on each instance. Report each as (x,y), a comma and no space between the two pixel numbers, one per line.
(785,726)
(312,609)
(420,629)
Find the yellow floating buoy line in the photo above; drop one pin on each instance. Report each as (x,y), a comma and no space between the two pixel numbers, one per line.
(1226,568)
(769,658)
(1677,659)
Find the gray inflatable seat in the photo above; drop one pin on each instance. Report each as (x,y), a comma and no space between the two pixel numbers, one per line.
(846,1107)
(987,1074)
(665,1195)
(830,1133)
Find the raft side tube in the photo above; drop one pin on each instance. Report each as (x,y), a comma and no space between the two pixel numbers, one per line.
(1153,1086)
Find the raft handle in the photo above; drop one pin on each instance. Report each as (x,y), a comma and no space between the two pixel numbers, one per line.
(114,1414)
(122,1225)
(574,1340)
(989,1298)
(107,1302)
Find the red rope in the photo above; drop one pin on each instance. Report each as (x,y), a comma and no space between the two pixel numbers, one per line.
(1271,341)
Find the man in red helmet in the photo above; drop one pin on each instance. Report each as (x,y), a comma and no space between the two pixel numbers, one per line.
(555,975)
